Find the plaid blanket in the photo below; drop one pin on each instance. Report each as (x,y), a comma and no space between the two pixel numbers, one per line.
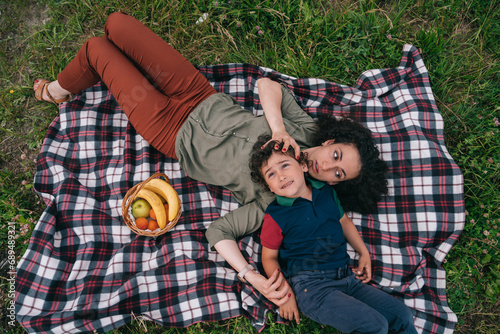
(84,270)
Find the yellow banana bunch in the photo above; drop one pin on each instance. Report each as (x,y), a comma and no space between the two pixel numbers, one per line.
(165,190)
(156,203)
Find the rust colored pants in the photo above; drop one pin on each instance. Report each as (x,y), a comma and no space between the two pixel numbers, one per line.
(154,84)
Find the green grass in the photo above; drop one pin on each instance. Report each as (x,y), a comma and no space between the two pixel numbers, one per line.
(334,40)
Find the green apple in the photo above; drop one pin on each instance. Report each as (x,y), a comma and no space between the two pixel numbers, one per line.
(140,208)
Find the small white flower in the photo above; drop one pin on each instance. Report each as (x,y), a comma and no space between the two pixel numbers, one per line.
(202,18)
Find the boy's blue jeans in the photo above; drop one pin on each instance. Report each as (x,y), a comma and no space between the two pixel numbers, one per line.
(337,298)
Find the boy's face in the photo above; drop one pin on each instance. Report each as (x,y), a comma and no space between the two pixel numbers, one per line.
(285,176)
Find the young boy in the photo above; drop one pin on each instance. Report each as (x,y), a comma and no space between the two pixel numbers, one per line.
(304,234)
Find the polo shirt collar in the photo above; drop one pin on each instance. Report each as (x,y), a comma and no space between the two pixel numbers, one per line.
(286,201)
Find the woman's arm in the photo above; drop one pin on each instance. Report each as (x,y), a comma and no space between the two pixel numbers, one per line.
(271,97)
(351,234)
(275,288)
(222,235)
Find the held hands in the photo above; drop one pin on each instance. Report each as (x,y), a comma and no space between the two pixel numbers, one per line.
(283,136)
(275,288)
(364,270)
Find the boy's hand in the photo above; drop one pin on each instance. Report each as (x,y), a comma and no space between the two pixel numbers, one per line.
(364,270)
(289,310)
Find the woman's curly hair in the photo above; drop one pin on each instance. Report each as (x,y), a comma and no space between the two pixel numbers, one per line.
(261,154)
(364,192)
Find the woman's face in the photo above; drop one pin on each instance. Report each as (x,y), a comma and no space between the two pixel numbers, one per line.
(333,163)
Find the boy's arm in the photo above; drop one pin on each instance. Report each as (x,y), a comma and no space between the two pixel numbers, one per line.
(351,234)
(270,260)
(288,310)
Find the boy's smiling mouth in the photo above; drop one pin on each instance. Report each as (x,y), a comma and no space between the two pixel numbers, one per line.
(287,184)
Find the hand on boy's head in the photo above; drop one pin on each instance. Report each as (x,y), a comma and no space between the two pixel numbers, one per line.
(287,142)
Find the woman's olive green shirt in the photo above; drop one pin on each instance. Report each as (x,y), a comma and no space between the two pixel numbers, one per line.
(214,146)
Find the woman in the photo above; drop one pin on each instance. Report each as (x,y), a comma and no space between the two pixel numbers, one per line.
(179,113)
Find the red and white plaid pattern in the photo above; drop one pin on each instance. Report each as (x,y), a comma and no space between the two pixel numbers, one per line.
(84,270)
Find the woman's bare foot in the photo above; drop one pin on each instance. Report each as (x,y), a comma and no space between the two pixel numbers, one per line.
(50,91)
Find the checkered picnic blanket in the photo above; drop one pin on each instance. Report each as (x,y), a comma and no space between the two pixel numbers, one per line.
(84,269)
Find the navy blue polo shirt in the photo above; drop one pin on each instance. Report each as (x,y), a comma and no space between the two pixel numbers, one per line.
(307,233)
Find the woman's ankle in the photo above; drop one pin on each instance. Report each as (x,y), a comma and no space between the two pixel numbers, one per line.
(57,91)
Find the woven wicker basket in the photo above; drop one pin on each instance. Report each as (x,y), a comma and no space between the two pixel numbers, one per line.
(129,219)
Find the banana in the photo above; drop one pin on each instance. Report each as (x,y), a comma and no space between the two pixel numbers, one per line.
(155,201)
(165,190)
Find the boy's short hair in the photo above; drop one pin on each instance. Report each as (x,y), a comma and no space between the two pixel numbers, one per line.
(260,155)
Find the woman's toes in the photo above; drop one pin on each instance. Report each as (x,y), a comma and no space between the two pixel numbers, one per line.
(41,87)
(35,85)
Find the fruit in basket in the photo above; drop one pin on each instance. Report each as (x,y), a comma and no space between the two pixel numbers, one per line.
(165,190)
(140,208)
(141,223)
(153,225)
(156,204)
(152,214)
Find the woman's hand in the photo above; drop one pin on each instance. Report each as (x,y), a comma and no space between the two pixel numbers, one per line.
(289,310)
(270,97)
(283,136)
(276,288)
(364,270)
